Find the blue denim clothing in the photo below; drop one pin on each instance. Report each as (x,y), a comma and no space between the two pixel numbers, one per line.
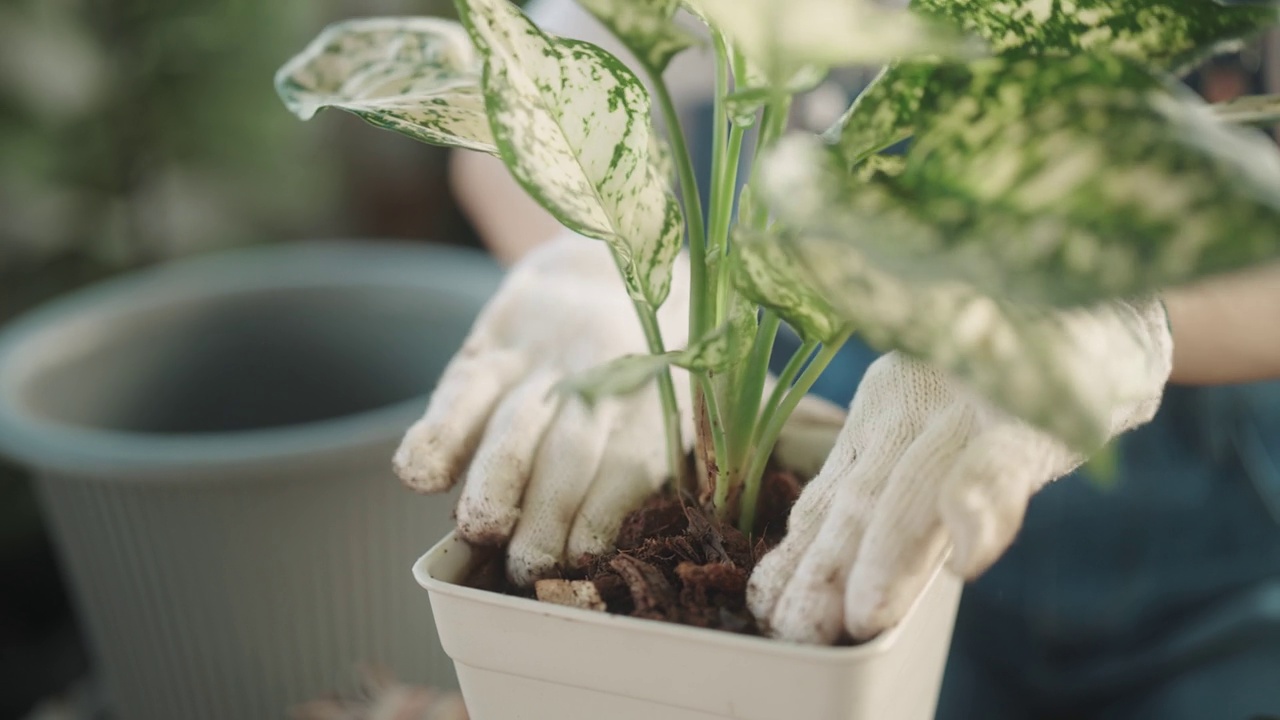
(1154,598)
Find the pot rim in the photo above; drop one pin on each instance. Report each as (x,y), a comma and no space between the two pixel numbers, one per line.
(881,644)
(45,443)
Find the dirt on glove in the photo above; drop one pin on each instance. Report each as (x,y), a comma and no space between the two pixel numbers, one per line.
(674,561)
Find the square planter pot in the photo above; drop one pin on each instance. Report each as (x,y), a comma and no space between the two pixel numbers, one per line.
(522,659)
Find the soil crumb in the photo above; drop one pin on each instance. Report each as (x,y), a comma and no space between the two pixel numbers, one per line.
(675,562)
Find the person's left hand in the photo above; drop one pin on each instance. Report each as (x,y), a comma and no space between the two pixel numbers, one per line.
(924,467)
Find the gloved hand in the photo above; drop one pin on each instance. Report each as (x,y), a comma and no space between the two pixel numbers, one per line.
(925,467)
(544,471)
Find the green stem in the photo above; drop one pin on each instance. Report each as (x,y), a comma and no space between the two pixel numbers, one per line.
(785,380)
(755,473)
(717,222)
(667,392)
(715,418)
(722,218)
(747,420)
(725,180)
(751,389)
(774,124)
(698,314)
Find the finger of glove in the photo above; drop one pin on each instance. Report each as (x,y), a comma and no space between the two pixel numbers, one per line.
(896,399)
(774,571)
(632,468)
(490,502)
(905,541)
(810,607)
(436,449)
(563,471)
(984,497)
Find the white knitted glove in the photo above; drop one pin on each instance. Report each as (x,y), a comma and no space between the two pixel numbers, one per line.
(544,471)
(924,467)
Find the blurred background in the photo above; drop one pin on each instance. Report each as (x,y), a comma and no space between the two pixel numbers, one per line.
(133,132)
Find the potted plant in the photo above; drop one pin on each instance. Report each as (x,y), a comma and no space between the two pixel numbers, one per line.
(1054,164)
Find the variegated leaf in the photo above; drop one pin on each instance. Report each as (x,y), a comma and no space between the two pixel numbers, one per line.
(720,350)
(1050,368)
(1167,33)
(646,27)
(725,346)
(1259,110)
(417,76)
(781,39)
(1058,181)
(753,91)
(619,377)
(767,275)
(572,124)
(882,114)
(662,157)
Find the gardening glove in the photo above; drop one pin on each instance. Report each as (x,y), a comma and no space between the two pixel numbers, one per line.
(543,471)
(925,467)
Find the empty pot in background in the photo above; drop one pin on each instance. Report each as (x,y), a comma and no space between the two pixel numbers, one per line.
(211,444)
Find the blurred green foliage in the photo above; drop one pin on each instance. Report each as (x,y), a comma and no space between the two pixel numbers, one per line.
(135,131)
(138,129)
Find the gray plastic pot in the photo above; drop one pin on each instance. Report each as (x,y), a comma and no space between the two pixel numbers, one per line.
(211,444)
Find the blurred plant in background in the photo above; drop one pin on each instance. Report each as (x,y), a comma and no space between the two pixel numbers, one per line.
(135,131)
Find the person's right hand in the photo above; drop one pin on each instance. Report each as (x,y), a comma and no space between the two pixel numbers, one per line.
(543,471)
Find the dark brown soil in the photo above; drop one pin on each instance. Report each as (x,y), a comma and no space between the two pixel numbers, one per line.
(675,562)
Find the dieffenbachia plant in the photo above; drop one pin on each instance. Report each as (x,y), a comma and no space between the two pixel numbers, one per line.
(1054,163)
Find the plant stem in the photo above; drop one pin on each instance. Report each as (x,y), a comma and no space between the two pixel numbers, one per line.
(773,124)
(722,184)
(667,393)
(725,181)
(750,389)
(715,418)
(692,208)
(699,291)
(785,380)
(755,473)
(748,383)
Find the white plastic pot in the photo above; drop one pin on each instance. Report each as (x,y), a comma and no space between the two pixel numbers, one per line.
(519,659)
(211,444)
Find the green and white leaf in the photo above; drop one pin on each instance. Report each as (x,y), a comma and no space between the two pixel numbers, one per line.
(573,125)
(1170,34)
(781,38)
(662,157)
(1262,110)
(764,273)
(1060,181)
(882,114)
(753,91)
(1047,367)
(417,76)
(646,27)
(721,349)
(616,378)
